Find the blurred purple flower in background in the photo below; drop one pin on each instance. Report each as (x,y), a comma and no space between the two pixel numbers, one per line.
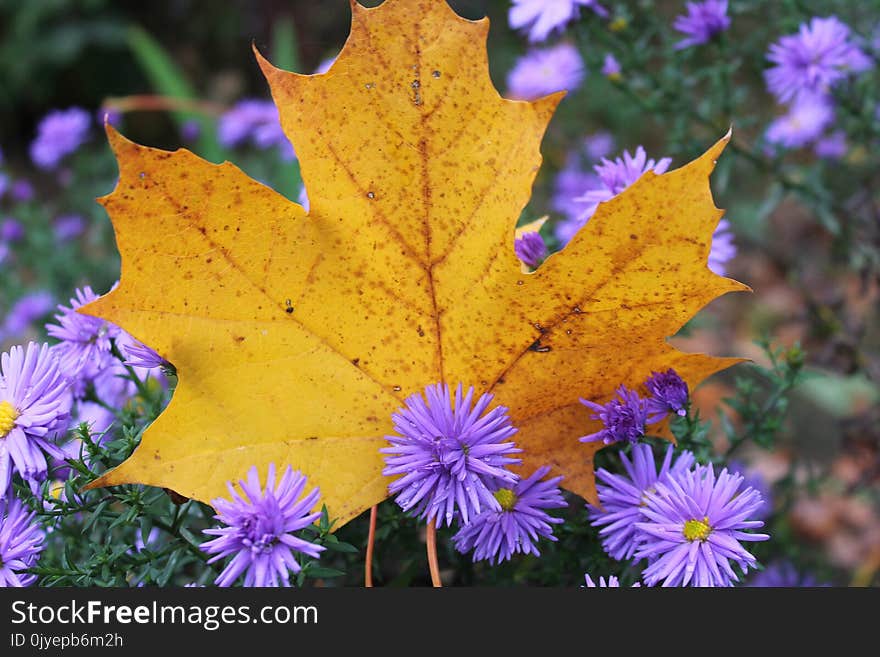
(24,312)
(542,72)
(59,134)
(571,182)
(598,145)
(11,230)
(68,226)
(190,131)
(4,184)
(702,22)
(783,574)
(530,249)
(693,525)
(22,191)
(256,122)
(804,122)
(497,535)
(21,542)
(831,147)
(611,67)
(812,61)
(723,248)
(541,17)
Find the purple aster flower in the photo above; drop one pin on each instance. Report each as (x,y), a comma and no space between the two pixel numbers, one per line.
(541,17)
(815,59)
(34,409)
(26,310)
(754,479)
(612,583)
(521,521)
(11,230)
(669,394)
(571,182)
(60,133)
(257,122)
(22,191)
(541,72)
(451,456)
(694,527)
(616,175)
(259,529)
(140,355)
(68,227)
(531,249)
(85,347)
(599,145)
(623,496)
(624,417)
(611,67)
(783,574)
(804,122)
(4,183)
(703,21)
(831,147)
(723,248)
(21,542)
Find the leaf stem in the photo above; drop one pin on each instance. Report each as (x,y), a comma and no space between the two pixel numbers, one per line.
(431,542)
(371,540)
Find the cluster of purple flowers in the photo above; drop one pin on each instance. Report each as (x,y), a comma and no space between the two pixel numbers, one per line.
(43,389)
(578,196)
(685,521)
(450,457)
(806,67)
(60,133)
(626,416)
(85,351)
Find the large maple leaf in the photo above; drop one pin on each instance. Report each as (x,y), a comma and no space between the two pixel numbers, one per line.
(296,335)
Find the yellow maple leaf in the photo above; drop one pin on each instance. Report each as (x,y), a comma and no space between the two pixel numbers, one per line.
(296,335)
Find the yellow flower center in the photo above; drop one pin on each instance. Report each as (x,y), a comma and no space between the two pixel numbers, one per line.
(505,498)
(619,24)
(697,530)
(615,77)
(8,416)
